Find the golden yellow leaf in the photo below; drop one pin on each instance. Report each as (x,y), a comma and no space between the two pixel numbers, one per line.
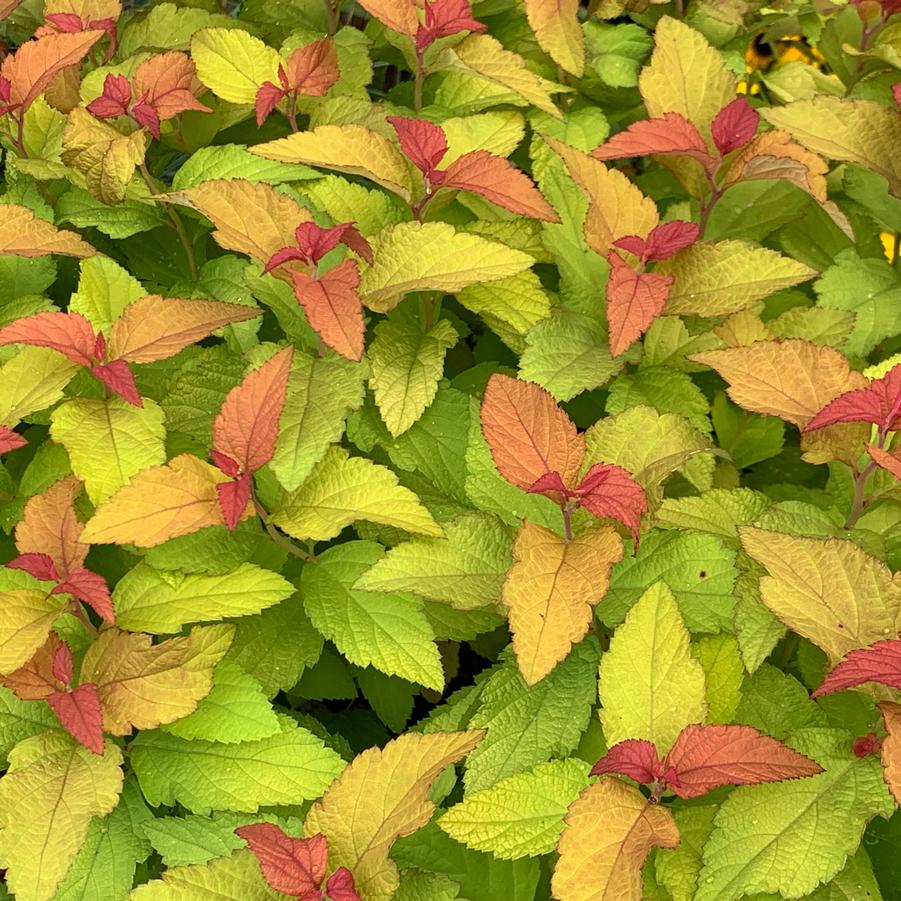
(609,831)
(615,206)
(891,747)
(24,235)
(160,503)
(551,590)
(398,15)
(829,590)
(345,148)
(252,218)
(142,685)
(26,615)
(559,32)
(381,796)
(49,526)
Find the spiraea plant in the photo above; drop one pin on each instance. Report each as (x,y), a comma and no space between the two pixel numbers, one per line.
(450,450)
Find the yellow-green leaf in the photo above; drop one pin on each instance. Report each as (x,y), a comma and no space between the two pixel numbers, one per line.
(26,615)
(232,63)
(559,32)
(33,380)
(650,685)
(381,796)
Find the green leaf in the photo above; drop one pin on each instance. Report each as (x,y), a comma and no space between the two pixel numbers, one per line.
(724,675)
(104,290)
(341,490)
(235,710)
(529,725)
(130,217)
(518,302)
(148,600)
(520,816)
(407,361)
(871,191)
(777,703)
(233,161)
(651,684)
(322,390)
(677,870)
(286,768)
(50,792)
(387,630)
(465,569)
(664,390)
(748,438)
(828,812)
(616,52)
(419,885)
(755,626)
(20,720)
(719,511)
(109,440)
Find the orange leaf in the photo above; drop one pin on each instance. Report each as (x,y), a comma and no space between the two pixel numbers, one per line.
(890,462)
(313,69)
(31,68)
(609,831)
(160,503)
(67,333)
(891,747)
(528,433)
(36,680)
(398,15)
(154,328)
(634,301)
(294,866)
(49,526)
(247,425)
(333,307)
(24,235)
(499,181)
(168,81)
(670,134)
(551,590)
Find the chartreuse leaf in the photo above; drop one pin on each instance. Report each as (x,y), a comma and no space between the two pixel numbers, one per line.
(322,390)
(149,600)
(520,816)
(407,361)
(465,569)
(32,380)
(529,725)
(143,685)
(419,885)
(677,868)
(50,792)
(719,511)
(724,675)
(651,686)
(234,710)
(341,490)
(109,440)
(235,878)
(759,826)
(113,846)
(286,768)
(609,832)
(433,256)
(551,589)
(232,63)
(235,161)
(182,841)
(20,720)
(26,615)
(828,590)
(382,795)
(518,302)
(104,290)
(387,630)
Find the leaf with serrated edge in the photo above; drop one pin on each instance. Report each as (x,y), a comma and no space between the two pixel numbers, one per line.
(232,63)
(891,747)
(25,621)
(49,526)
(382,795)
(559,33)
(24,235)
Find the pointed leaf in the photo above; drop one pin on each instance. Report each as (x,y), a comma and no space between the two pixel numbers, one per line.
(67,333)
(889,462)
(609,492)
(294,866)
(142,685)
(233,499)
(551,590)
(79,712)
(635,757)
(313,68)
(165,82)
(38,678)
(27,616)
(118,378)
(160,503)
(891,747)
(444,18)
(610,830)
(382,795)
(398,15)
(634,301)
(423,142)
(559,32)
(878,403)
(668,238)
(24,235)
(528,433)
(154,328)
(49,526)
(10,440)
(91,588)
(734,126)
(232,63)
(650,663)
(672,133)
(880,662)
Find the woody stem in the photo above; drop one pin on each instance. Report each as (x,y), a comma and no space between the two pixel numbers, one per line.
(417,84)
(331,12)
(567,523)
(175,219)
(292,112)
(79,613)
(859,504)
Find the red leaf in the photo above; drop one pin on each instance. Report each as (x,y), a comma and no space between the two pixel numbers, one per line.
(91,588)
(80,714)
(878,403)
(706,757)
(293,866)
(735,124)
(609,491)
(61,666)
(881,662)
(165,84)
(118,377)
(67,333)
(896,93)
(233,498)
(10,440)
(146,116)
(528,433)
(550,481)
(635,758)
(225,464)
(669,238)
(670,134)
(444,18)
(41,566)
(890,462)
(423,143)
(333,307)
(269,95)
(340,886)
(315,241)
(633,244)
(114,100)
(69,23)
(313,68)
(499,181)
(247,425)
(634,301)
(866,745)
